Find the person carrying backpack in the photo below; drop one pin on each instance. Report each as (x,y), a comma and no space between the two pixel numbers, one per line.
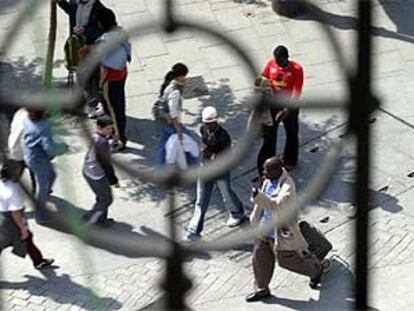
(169,116)
(83,18)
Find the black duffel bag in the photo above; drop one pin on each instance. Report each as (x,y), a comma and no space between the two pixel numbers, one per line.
(317,241)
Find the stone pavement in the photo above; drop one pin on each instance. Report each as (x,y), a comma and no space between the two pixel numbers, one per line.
(89,278)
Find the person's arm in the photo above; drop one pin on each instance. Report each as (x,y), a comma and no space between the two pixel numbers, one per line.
(297,87)
(21,222)
(173,105)
(103,156)
(103,76)
(284,194)
(178,128)
(48,144)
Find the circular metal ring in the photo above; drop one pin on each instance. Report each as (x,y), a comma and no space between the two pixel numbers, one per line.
(173,176)
(226,163)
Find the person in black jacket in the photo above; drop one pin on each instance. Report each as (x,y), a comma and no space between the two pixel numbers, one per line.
(215,140)
(83,19)
(99,172)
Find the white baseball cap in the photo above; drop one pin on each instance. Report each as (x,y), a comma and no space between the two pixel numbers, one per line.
(209,114)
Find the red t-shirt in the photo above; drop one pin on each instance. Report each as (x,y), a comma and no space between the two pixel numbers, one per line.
(288,80)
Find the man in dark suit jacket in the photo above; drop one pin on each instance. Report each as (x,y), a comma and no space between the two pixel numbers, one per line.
(83,18)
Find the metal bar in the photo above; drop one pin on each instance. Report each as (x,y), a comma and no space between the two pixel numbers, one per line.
(360,110)
(176,283)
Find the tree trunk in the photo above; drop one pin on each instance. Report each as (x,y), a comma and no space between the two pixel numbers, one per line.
(47,78)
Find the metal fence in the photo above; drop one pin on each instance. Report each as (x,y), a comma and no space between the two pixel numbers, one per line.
(359,105)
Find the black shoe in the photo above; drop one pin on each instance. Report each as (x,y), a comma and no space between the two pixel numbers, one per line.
(106,223)
(314,283)
(44,263)
(258,295)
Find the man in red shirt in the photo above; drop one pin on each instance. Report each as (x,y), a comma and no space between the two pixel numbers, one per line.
(285,78)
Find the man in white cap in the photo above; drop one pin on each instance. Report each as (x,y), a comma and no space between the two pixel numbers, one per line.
(215,141)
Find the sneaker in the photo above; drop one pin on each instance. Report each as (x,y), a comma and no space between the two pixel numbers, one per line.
(314,283)
(45,262)
(234,222)
(189,238)
(96,112)
(258,295)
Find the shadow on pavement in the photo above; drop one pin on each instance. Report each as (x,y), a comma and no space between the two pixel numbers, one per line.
(259,3)
(336,292)
(400,12)
(74,294)
(8,4)
(122,231)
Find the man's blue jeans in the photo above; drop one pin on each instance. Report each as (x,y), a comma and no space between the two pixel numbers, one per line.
(103,192)
(204,189)
(44,176)
(165,132)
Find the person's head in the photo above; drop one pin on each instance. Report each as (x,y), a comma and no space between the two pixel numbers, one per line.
(9,171)
(178,72)
(106,19)
(281,55)
(105,125)
(273,167)
(209,117)
(35,114)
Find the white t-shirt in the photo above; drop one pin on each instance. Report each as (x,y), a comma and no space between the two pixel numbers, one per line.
(10,197)
(15,141)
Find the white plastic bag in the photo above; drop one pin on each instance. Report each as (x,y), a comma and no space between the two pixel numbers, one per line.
(175,150)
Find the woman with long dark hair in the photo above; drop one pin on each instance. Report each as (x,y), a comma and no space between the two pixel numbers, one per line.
(171,90)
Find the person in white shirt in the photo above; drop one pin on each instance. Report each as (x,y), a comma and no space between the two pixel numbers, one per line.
(14,230)
(15,144)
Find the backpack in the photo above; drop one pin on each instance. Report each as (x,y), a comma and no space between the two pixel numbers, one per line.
(160,110)
(71,49)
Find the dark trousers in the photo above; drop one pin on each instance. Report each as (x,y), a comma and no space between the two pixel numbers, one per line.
(263,262)
(116,97)
(305,264)
(32,250)
(268,149)
(103,192)
(34,253)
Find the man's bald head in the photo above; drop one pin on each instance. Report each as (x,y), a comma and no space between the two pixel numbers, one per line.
(273,167)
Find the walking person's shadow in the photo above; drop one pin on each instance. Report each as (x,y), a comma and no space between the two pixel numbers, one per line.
(53,287)
(336,292)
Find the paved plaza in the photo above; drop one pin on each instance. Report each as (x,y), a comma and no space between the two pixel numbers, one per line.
(91,278)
